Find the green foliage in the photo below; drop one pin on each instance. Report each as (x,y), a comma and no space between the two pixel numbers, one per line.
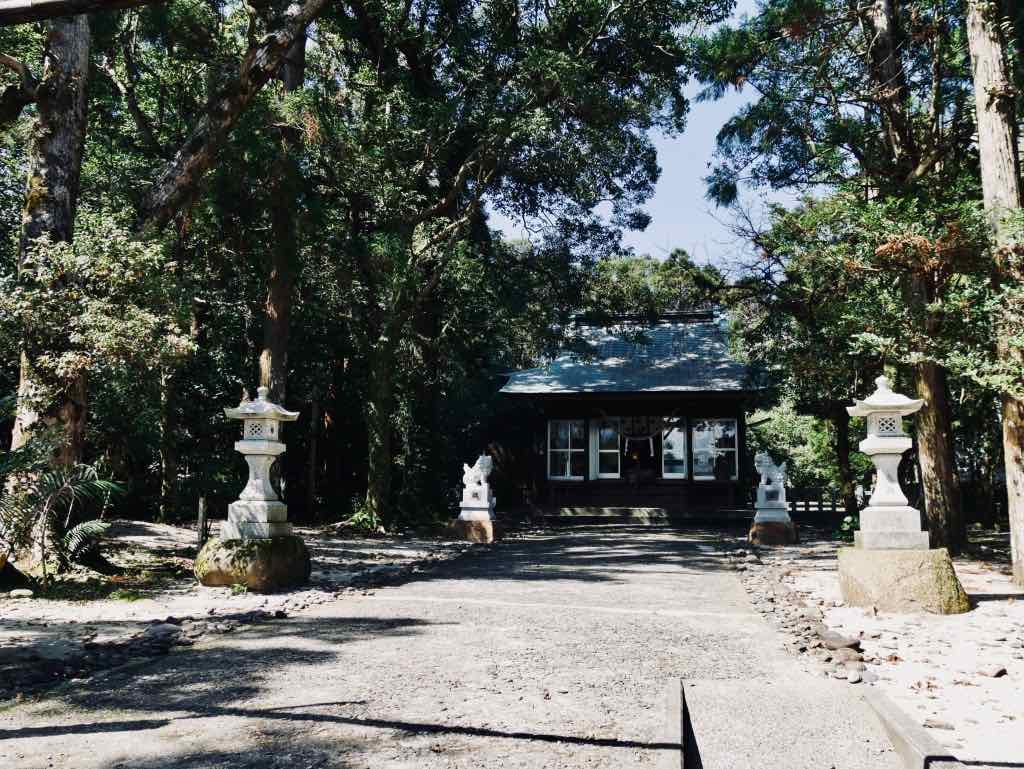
(99,303)
(849,525)
(81,539)
(39,508)
(804,442)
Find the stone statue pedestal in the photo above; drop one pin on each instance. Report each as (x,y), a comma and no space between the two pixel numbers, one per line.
(476,511)
(890,566)
(772,524)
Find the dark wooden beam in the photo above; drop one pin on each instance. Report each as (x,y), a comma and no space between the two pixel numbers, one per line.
(25,11)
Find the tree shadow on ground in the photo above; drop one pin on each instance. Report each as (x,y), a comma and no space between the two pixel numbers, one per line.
(202,678)
(284,749)
(590,554)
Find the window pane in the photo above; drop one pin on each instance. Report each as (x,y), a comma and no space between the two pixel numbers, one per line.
(578,464)
(725,465)
(675,465)
(559,434)
(556,463)
(608,463)
(673,449)
(703,463)
(609,436)
(714,433)
(577,433)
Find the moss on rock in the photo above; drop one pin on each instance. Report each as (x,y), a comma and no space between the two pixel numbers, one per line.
(262,565)
(901,580)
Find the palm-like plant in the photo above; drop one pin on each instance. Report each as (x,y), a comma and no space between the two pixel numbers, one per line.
(39,508)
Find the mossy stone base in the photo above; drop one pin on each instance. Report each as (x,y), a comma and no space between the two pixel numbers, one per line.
(772,533)
(262,565)
(906,581)
(481,532)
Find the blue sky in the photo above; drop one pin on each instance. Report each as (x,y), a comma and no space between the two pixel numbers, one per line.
(681,217)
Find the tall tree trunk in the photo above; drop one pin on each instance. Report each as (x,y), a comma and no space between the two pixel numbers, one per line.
(285,246)
(841,424)
(884,38)
(379,417)
(995,103)
(313,459)
(934,425)
(168,444)
(939,478)
(51,199)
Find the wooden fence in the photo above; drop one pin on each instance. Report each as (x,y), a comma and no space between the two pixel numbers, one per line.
(814,503)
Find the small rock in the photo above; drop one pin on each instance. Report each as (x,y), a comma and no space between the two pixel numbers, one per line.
(834,640)
(844,654)
(161,630)
(935,723)
(21,592)
(853,676)
(993,671)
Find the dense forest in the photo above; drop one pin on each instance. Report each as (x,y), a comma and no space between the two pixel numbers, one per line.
(198,197)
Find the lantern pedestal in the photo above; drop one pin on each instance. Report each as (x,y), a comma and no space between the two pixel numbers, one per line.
(262,565)
(904,581)
(256,546)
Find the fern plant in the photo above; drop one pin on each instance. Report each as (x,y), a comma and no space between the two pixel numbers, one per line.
(40,509)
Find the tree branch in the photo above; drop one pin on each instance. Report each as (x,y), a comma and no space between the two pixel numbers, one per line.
(16,97)
(177,185)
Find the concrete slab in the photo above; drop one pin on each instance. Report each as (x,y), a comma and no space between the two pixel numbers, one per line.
(802,722)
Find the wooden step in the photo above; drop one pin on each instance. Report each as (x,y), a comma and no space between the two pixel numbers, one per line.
(590,514)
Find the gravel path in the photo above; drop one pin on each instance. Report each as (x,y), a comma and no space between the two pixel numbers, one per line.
(549,651)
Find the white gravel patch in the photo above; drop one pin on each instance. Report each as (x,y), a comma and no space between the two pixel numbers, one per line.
(960,676)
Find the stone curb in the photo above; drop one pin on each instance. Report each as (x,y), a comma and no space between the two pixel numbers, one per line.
(916,748)
(675,718)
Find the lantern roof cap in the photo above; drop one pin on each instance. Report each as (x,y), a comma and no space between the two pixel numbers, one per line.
(884,399)
(260,408)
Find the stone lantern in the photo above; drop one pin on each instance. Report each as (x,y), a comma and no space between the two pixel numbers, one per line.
(890,568)
(256,546)
(258,513)
(888,522)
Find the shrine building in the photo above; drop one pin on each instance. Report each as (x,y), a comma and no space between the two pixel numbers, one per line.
(646,415)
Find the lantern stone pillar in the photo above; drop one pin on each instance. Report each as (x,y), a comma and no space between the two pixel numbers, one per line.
(772,524)
(256,546)
(891,566)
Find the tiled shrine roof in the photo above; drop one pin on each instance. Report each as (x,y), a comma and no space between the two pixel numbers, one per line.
(676,355)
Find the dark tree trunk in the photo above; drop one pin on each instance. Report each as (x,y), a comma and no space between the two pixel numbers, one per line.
(907,159)
(995,103)
(379,418)
(285,245)
(312,459)
(847,486)
(51,199)
(168,446)
(939,479)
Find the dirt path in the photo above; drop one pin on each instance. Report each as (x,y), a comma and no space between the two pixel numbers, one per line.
(552,651)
